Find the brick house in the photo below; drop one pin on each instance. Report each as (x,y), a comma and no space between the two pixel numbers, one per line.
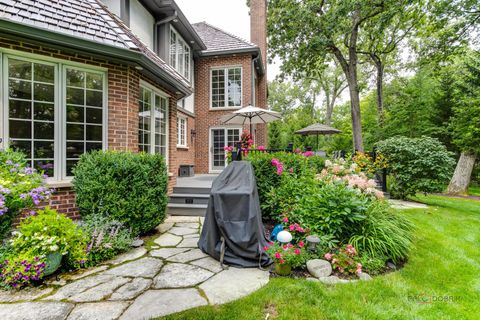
(81,75)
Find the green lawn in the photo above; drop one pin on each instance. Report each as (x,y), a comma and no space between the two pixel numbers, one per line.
(474,190)
(445,261)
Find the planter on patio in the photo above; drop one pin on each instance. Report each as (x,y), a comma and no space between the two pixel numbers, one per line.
(283,269)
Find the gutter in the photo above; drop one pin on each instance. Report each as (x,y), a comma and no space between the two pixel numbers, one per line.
(156,24)
(259,66)
(133,56)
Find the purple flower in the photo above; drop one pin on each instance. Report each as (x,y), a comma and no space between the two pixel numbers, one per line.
(29,170)
(9,162)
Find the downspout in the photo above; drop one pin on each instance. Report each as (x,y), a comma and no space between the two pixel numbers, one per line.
(155,28)
(253,79)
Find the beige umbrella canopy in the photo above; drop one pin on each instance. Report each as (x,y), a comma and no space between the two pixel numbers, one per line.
(253,114)
(317,129)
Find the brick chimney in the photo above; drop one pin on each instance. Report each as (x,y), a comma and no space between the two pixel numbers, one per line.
(258,26)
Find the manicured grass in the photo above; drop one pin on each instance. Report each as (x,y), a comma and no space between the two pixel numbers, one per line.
(445,261)
(474,191)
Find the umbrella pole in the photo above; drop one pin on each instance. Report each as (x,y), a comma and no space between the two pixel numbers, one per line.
(317,142)
(251,128)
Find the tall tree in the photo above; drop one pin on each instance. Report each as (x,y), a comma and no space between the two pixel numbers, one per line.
(333,83)
(305,33)
(465,124)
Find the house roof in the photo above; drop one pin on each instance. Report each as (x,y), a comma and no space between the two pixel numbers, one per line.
(220,41)
(85,20)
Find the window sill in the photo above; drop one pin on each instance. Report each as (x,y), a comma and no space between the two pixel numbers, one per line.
(224,108)
(182,147)
(67,183)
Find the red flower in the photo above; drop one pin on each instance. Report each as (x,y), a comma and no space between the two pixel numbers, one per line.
(297,251)
(265,248)
(301,244)
(282,261)
(278,255)
(285,219)
(292,227)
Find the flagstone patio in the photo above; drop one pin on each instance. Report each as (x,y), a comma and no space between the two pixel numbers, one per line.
(169,276)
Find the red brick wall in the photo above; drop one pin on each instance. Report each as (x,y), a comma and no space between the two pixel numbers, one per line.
(206,118)
(123,95)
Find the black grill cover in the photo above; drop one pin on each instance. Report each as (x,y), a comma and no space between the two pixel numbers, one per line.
(234,213)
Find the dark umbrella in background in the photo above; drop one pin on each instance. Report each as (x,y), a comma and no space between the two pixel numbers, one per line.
(317,129)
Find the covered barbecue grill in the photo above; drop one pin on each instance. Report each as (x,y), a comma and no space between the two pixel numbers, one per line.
(233,232)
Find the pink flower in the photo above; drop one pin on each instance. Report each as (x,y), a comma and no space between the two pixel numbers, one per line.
(261,148)
(285,219)
(350,250)
(282,261)
(279,169)
(292,227)
(290,170)
(328,256)
(308,154)
(278,255)
(265,248)
(301,244)
(297,251)
(275,162)
(359,268)
(290,245)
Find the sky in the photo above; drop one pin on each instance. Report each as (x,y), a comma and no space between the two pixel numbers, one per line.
(229,15)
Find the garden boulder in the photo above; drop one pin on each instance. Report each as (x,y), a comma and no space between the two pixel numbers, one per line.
(319,268)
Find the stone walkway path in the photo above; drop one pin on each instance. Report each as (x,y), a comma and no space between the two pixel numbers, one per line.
(402,204)
(170,276)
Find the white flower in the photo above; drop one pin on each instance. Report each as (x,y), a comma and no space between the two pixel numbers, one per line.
(54,248)
(328,163)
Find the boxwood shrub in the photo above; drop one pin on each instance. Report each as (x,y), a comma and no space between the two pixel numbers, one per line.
(124,186)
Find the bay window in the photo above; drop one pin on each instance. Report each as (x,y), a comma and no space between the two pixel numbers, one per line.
(226,87)
(180,54)
(54,112)
(153,120)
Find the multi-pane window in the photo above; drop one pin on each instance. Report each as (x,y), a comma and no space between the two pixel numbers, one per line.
(84,114)
(226,87)
(181,132)
(55,113)
(152,128)
(180,54)
(31,112)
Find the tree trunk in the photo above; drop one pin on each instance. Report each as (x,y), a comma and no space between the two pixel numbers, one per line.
(330,105)
(355,111)
(380,71)
(461,176)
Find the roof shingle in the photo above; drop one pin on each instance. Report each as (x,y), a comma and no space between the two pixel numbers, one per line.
(218,40)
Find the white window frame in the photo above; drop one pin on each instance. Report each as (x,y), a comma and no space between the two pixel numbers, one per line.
(181,118)
(225,70)
(166,96)
(59,104)
(210,145)
(187,72)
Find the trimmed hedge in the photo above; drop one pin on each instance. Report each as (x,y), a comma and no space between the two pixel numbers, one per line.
(123,186)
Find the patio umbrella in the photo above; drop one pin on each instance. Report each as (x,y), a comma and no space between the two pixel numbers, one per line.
(253,114)
(317,129)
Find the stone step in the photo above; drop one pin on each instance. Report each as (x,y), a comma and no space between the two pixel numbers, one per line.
(191,190)
(189,198)
(181,209)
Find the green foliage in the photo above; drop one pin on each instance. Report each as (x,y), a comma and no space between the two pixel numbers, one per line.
(372,265)
(345,260)
(127,187)
(107,238)
(21,187)
(20,269)
(416,165)
(465,124)
(293,255)
(50,232)
(383,233)
(268,179)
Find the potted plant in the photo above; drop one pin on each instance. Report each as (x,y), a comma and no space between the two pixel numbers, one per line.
(286,256)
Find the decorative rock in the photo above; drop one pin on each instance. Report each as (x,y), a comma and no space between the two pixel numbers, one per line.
(98,311)
(193,225)
(165,253)
(319,268)
(158,303)
(178,275)
(23,295)
(391,265)
(145,267)
(208,263)
(99,292)
(182,231)
(191,255)
(189,243)
(164,227)
(130,255)
(233,284)
(332,280)
(131,290)
(137,243)
(35,311)
(168,240)
(364,276)
(79,286)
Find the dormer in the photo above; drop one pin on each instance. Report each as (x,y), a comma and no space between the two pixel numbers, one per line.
(163,27)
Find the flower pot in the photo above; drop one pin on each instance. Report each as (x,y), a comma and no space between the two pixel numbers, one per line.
(53,262)
(283,269)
